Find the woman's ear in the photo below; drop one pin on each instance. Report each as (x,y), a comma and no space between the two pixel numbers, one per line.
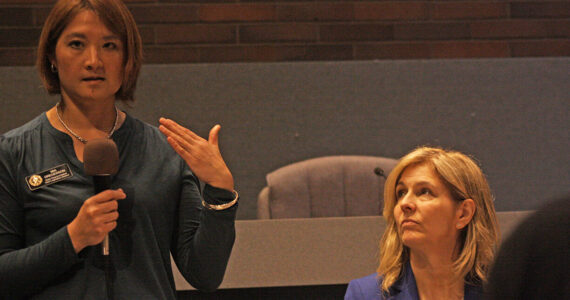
(52,63)
(465,213)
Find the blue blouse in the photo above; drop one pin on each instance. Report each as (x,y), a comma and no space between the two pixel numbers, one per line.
(404,289)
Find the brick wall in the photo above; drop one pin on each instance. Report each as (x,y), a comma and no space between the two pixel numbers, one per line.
(188,31)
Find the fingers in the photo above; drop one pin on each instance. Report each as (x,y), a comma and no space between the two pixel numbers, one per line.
(96,218)
(179,138)
(174,129)
(183,135)
(188,144)
(108,195)
(202,156)
(102,211)
(102,208)
(214,133)
(176,141)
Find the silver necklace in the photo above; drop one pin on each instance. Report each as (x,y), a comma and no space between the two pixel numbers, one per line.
(84,141)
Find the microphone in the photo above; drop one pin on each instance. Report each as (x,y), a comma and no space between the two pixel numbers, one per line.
(378,171)
(101,160)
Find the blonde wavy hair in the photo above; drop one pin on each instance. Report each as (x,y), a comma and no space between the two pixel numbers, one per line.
(465,180)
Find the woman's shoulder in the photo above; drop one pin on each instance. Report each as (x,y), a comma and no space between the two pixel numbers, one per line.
(26,128)
(15,139)
(140,130)
(144,137)
(367,287)
(372,280)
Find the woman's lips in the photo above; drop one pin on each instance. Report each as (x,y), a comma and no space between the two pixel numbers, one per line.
(407,223)
(94,79)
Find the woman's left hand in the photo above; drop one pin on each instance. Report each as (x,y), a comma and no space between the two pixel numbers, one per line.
(202,156)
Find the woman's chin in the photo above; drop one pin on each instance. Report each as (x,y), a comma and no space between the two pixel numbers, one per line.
(411,240)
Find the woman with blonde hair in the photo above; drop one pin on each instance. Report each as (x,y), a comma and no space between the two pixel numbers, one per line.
(441,230)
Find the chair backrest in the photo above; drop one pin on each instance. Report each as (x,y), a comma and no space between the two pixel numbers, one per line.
(330,186)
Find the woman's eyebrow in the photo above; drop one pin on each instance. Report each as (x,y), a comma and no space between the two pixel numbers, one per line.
(416,184)
(75,35)
(111,37)
(83,36)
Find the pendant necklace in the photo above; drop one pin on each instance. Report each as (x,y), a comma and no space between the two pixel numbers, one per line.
(84,141)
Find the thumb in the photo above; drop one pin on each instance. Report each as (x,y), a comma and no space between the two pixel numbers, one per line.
(214,133)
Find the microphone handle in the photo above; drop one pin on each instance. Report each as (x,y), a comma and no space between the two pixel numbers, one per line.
(105,245)
(103,182)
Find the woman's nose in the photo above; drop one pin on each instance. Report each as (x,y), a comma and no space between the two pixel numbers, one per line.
(92,61)
(407,203)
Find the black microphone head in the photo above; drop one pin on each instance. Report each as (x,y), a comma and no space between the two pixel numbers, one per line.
(101,157)
(378,171)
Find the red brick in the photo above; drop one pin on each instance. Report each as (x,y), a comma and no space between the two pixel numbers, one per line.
(40,15)
(540,9)
(176,34)
(315,12)
(541,48)
(269,53)
(17,56)
(392,50)
(165,13)
(147,34)
(19,37)
(233,53)
(289,30)
(292,1)
(390,10)
(170,54)
(143,13)
(196,1)
(278,32)
(469,10)
(466,49)
(431,31)
(16,16)
(278,53)
(559,28)
(264,53)
(50,2)
(328,52)
(356,32)
(518,29)
(237,12)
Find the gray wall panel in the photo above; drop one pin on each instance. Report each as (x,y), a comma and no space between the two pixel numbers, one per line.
(511,114)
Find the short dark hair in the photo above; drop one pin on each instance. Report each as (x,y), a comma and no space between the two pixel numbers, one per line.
(116,16)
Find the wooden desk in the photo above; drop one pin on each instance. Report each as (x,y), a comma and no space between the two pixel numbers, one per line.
(309,251)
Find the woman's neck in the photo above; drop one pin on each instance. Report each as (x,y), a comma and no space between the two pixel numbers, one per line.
(88,115)
(86,119)
(435,276)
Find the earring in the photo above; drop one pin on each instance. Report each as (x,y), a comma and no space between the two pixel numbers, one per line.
(53,68)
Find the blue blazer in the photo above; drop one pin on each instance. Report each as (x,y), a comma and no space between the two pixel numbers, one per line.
(404,289)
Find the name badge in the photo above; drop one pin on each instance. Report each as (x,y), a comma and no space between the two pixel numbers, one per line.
(48,177)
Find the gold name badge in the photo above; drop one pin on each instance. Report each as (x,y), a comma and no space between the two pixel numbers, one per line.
(48,177)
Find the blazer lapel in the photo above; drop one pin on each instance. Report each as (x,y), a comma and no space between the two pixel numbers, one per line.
(405,288)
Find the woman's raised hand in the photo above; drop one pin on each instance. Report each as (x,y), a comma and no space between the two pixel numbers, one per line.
(202,156)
